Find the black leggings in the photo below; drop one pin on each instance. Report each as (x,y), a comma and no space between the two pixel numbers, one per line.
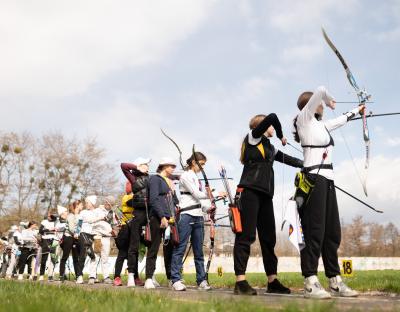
(122,243)
(321,228)
(85,249)
(257,212)
(25,258)
(156,234)
(69,244)
(135,230)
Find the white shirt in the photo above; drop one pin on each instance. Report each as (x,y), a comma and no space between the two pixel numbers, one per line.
(102,227)
(315,132)
(88,217)
(49,226)
(190,183)
(28,238)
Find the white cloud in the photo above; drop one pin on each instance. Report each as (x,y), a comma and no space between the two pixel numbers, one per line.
(383,185)
(297,16)
(393,142)
(303,52)
(62,47)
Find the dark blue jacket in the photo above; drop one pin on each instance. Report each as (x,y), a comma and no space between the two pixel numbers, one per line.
(161,200)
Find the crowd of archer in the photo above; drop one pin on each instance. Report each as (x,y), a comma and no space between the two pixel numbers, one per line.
(152,213)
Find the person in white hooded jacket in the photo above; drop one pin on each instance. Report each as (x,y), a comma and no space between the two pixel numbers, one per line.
(103,231)
(87,218)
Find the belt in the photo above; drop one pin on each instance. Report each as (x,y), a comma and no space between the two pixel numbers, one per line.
(189,208)
(311,168)
(186,193)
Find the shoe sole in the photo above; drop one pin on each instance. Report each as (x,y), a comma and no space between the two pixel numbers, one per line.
(278,292)
(316,297)
(343,296)
(236,292)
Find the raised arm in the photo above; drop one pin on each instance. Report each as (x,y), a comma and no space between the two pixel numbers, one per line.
(128,170)
(270,120)
(337,122)
(308,112)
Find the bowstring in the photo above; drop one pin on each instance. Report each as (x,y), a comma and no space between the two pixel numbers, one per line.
(283,190)
(340,128)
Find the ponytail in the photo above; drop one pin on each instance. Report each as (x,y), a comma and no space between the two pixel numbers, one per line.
(295,133)
(199,156)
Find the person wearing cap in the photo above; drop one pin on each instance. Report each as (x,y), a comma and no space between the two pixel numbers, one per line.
(162,205)
(47,232)
(70,241)
(137,174)
(87,218)
(103,231)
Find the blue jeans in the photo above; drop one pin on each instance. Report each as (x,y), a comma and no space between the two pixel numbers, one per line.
(196,233)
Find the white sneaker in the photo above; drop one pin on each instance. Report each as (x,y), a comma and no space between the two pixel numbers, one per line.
(107,280)
(156,284)
(339,288)
(20,277)
(31,278)
(149,284)
(91,280)
(131,280)
(313,289)
(204,286)
(178,286)
(41,278)
(79,280)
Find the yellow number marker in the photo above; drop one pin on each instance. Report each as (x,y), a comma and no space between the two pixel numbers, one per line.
(347,267)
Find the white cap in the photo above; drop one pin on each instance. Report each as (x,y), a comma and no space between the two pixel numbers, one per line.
(92,199)
(109,200)
(61,210)
(167,161)
(141,161)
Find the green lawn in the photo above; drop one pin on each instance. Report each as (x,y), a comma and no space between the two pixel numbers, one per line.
(37,297)
(34,296)
(385,281)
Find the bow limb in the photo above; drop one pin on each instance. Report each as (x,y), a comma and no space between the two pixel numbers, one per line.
(177,147)
(211,212)
(363,97)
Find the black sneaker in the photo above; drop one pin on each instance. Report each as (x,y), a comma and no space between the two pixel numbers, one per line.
(275,287)
(243,288)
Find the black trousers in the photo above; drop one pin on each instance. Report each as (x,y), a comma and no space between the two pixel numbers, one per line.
(135,230)
(69,244)
(321,228)
(257,213)
(46,244)
(85,249)
(122,241)
(25,258)
(156,234)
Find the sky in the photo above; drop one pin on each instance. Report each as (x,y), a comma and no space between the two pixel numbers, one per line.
(121,70)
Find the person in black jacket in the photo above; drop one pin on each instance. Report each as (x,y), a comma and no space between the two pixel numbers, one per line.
(256,207)
(162,203)
(138,177)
